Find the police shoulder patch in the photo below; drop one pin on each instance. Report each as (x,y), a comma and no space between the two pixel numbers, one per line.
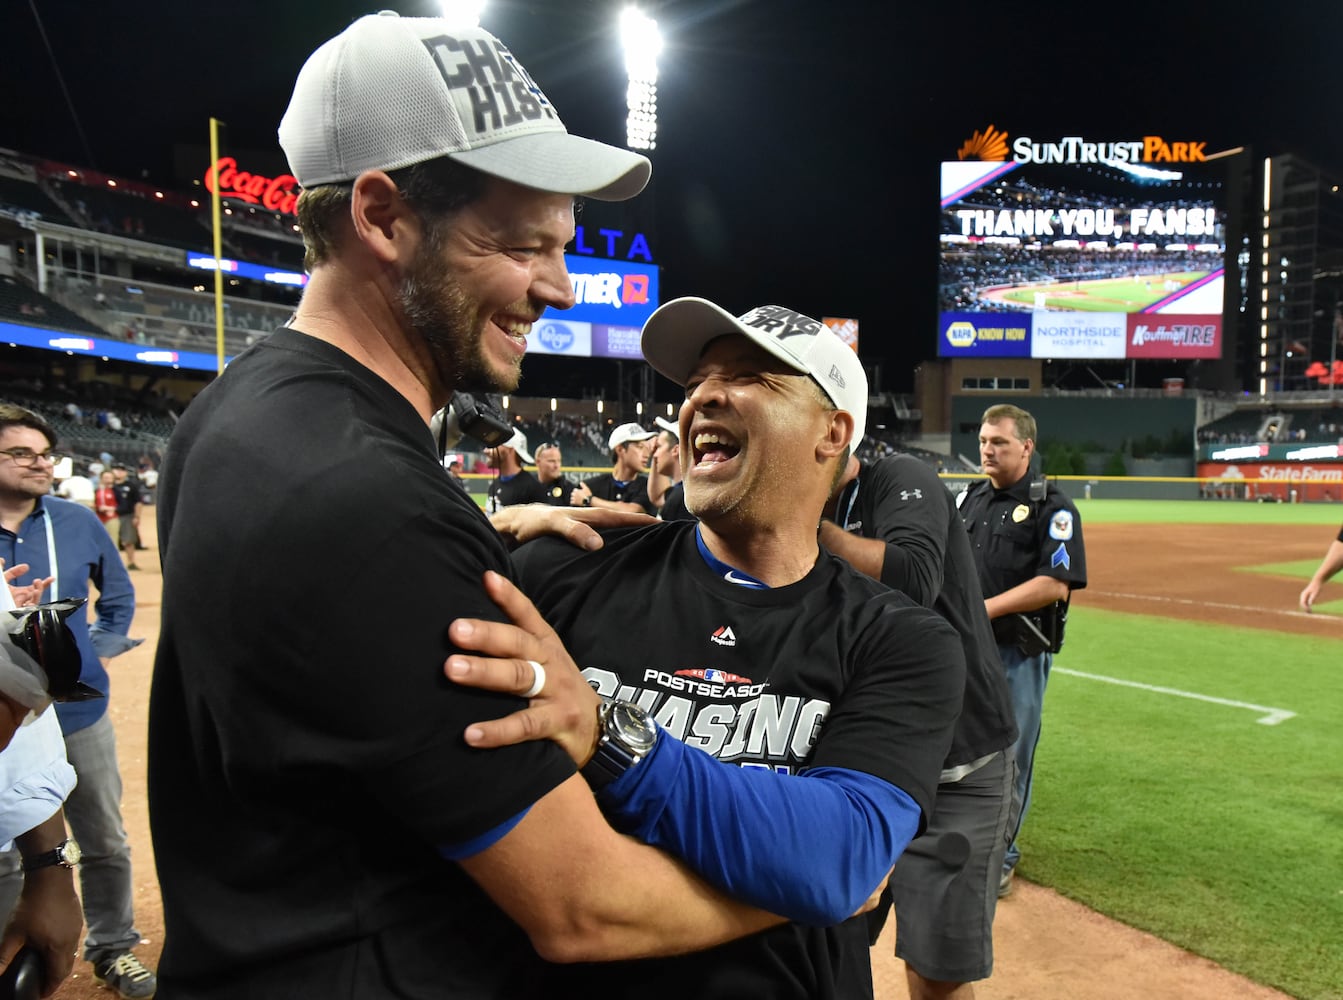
(1061,525)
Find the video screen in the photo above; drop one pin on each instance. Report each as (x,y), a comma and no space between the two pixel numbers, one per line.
(1092,260)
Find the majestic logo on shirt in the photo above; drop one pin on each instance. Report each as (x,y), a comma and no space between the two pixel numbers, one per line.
(724,636)
(714,676)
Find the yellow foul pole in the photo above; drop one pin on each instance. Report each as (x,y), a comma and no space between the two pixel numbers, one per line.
(219,257)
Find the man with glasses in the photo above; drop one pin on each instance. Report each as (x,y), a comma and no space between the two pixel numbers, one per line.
(67,544)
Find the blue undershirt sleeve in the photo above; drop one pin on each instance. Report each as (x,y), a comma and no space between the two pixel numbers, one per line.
(809,847)
(456,852)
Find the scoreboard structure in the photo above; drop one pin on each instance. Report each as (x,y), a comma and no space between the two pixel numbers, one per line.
(1078,249)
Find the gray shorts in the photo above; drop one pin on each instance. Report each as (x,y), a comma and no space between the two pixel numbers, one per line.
(945,884)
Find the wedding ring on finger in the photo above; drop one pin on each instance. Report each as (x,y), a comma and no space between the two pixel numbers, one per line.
(538,680)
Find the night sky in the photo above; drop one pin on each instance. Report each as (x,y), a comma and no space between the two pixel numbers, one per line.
(799,142)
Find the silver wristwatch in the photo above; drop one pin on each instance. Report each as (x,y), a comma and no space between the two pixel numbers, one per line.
(66,854)
(626,735)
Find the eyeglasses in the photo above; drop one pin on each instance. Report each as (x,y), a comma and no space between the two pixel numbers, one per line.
(27,458)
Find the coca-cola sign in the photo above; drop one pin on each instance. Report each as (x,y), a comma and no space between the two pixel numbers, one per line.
(275,194)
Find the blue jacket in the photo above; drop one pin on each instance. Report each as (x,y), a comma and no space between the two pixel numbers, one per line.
(84,553)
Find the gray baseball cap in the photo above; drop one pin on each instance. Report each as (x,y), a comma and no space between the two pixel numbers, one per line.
(390,91)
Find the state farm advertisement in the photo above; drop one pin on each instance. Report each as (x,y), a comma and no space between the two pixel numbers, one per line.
(1273,480)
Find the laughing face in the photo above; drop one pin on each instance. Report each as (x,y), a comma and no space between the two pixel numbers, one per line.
(480,280)
(749,427)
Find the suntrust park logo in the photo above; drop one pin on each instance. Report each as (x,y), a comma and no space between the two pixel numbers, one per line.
(992,145)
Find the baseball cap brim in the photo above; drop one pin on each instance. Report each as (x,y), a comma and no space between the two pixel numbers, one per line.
(562,163)
(675,335)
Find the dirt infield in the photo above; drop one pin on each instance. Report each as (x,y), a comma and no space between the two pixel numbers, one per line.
(1048,948)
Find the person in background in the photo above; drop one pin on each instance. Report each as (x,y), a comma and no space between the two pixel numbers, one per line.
(625,487)
(65,542)
(105,497)
(894,520)
(129,506)
(512,483)
(1026,537)
(1327,570)
(665,491)
(556,487)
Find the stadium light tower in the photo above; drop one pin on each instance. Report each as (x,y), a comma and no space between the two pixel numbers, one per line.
(462,13)
(639,34)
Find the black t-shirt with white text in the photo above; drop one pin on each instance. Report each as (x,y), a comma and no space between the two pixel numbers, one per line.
(835,670)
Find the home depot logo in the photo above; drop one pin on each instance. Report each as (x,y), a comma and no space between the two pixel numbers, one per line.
(991,144)
(723,636)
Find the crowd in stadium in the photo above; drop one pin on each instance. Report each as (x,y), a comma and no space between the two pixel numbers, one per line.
(968,271)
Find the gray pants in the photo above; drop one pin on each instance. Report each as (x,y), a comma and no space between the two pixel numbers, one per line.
(93,812)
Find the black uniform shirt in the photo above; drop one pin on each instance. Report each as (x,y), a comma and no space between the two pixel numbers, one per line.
(1015,538)
(900,501)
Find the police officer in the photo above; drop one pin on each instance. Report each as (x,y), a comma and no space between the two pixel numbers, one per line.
(1026,537)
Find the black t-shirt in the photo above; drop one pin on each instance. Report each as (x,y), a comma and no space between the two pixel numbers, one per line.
(901,501)
(834,670)
(519,488)
(129,494)
(1014,538)
(305,749)
(558,491)
(673,505)
(608,487)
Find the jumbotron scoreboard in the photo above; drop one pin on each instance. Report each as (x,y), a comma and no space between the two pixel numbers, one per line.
(1073,248)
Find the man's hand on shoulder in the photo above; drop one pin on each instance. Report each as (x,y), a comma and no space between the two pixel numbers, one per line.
(563,710)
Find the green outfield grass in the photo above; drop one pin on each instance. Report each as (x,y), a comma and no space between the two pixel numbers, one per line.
(1124,295)
(1204,512)
(1187,817)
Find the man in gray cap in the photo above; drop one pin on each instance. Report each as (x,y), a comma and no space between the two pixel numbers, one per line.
(320,827)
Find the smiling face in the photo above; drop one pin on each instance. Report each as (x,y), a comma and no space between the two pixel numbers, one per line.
(481,278)
(19,482)
(753,434)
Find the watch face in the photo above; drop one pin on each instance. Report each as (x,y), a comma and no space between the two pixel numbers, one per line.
(633,727)
(70,853)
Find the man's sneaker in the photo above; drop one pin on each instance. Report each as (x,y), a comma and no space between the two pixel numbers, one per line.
(127,975)
(1005,883)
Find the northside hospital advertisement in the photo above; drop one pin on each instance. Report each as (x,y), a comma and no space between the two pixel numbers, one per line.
(1072,249)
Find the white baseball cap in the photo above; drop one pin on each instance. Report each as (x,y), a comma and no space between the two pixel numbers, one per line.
(668,426)
(626,433)
(675,336)
(392,91)
(518,442)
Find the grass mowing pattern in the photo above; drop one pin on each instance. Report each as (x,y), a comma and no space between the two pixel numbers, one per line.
(1189,819)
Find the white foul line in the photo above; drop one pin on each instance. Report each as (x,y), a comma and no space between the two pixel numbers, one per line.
(1271,717)
(1255,609)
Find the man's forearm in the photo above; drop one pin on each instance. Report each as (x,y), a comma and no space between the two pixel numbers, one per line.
(584,893)
(1032,595)
(715,816)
